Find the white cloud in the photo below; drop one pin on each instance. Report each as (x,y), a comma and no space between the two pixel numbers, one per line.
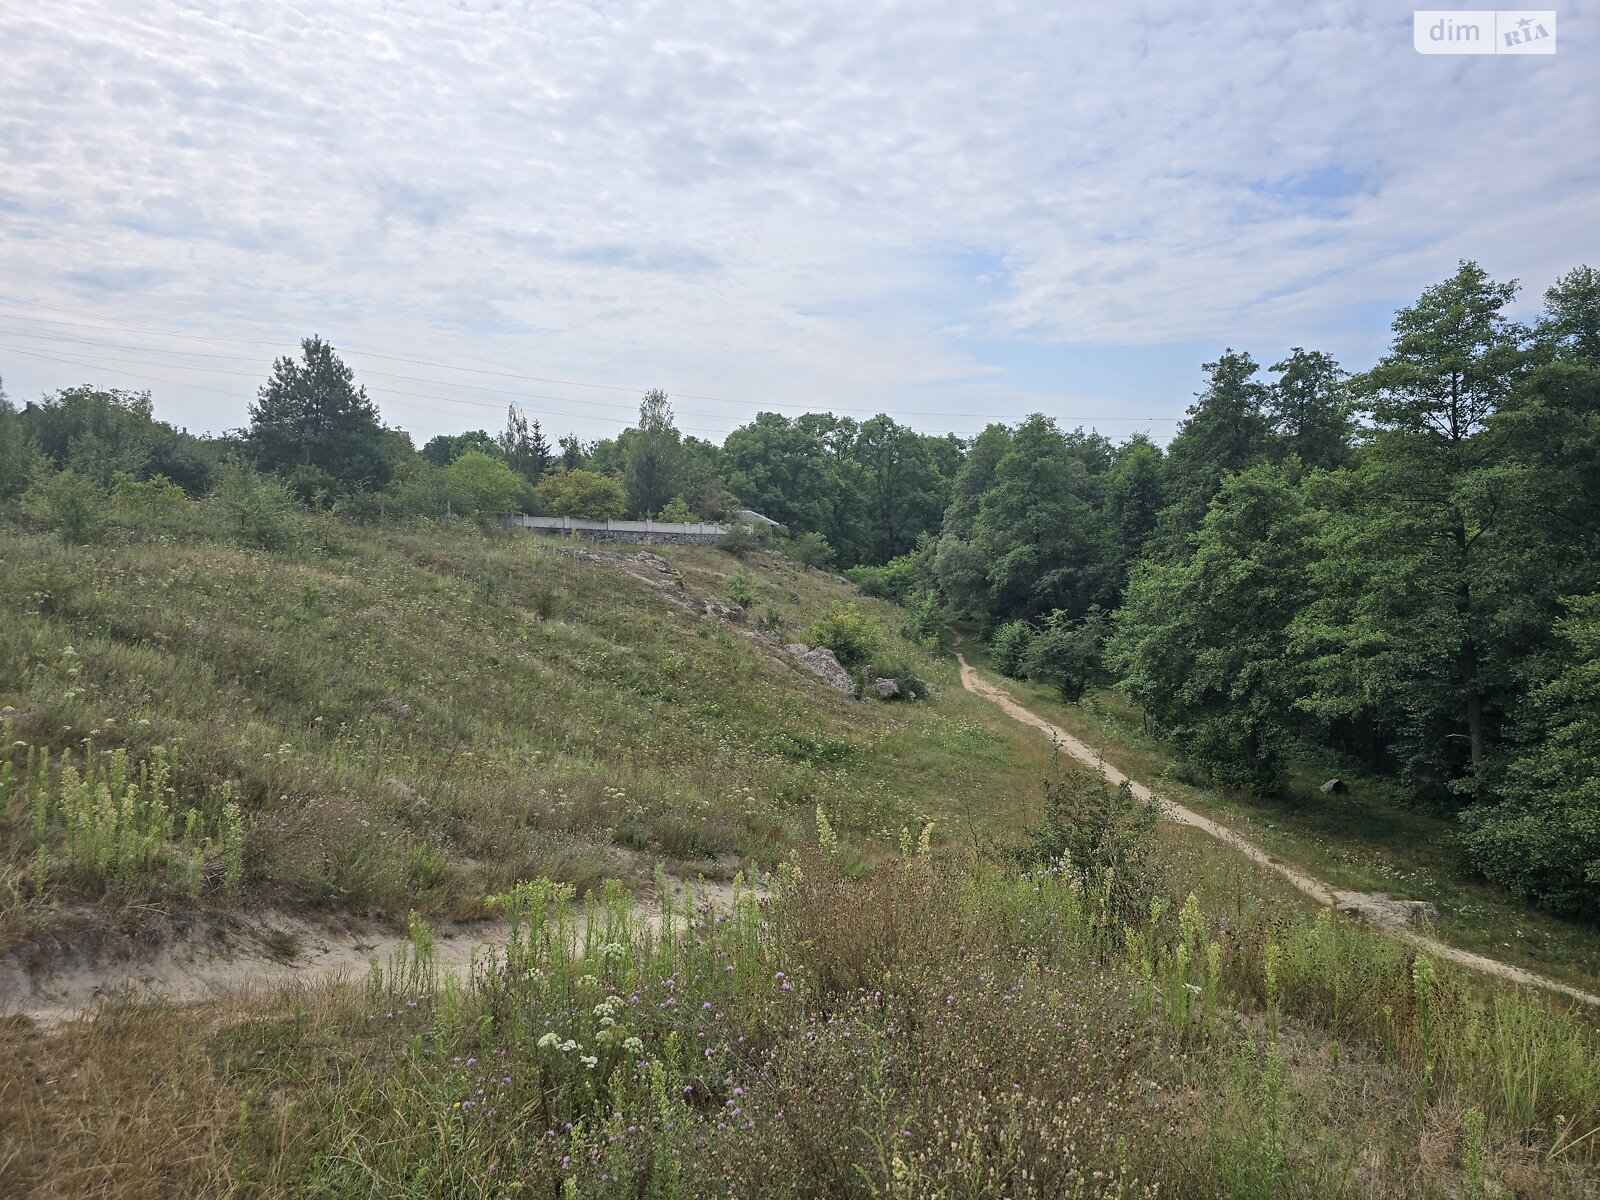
(745,200)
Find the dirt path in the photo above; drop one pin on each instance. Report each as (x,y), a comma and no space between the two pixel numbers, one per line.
(1359,903)
(235,958)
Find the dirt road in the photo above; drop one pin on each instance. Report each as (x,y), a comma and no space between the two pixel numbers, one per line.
(1361,903)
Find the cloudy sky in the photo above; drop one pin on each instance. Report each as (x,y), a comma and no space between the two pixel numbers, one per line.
(953,212)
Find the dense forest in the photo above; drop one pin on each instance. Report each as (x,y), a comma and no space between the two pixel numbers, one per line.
(1398,568)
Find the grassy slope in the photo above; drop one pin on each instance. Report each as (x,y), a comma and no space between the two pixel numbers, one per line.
(1366,841)
(417,719)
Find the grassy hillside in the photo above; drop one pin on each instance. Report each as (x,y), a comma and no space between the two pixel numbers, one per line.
(383,722)
(416,720)
(1368,840)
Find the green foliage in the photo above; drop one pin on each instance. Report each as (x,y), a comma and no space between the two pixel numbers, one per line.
(1542,838)
(151,501)
(1009,647)
(479,483)
(852,636)
(1102,838)
(72,504)
(651,459)
(312,414)
(741,588)
(16,452)
(1067,654)
(809,550)
(256,510)
(1203,645)
(678,512)
(115,824)
(582,494)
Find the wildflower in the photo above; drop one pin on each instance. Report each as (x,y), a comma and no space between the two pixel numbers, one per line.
(548,1040)
(589,1061)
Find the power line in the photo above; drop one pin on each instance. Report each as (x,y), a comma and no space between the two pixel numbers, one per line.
(113,326)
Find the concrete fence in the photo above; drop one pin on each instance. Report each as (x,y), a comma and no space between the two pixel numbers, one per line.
(641,532)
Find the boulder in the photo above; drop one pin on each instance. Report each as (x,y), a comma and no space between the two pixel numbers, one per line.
(722,610)
(798,649)
(1335,787)
(1380,909)
(821,663)
(654,561)
(887,689)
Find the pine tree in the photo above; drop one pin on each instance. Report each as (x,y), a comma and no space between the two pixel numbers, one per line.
(311,414)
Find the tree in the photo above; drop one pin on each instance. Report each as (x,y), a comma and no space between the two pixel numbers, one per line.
(650,462)
(480,483)
(71,503)
(1036,530)
(582,494)
(1542,838)
(523,446)
(1203,645)
(1068,653)
(1135,494)
(904,491)
(443,449)
(16,454)
(311,413)
(1310,409)
(1226,431)
(1426,604)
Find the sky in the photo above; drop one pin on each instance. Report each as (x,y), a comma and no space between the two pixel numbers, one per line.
(951,212)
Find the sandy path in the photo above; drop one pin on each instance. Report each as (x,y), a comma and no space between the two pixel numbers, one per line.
(1315,888)
(216,962)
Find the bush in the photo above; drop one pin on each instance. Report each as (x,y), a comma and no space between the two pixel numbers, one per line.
(925,623)
(739,541)
(851,635)
(739,588)
(1103,838)
(678,512)
(1009,646)
(71,504)
(478,483)
(582,494)
(809,550)
(1067,653)
(258,511)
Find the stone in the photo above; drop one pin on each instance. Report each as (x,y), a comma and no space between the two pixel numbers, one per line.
(887,689)
(723,610)
(798,649)
(1335,787)
(1380,909)
(654,561)
(821,663)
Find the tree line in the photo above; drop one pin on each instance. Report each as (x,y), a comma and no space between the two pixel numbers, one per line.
(1398,567)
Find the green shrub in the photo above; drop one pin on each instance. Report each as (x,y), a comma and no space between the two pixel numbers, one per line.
(71,504)
(739,588)
(257,510)
(851,635)
(1103,838)
(1067,653)
(1009,646)
(809,550)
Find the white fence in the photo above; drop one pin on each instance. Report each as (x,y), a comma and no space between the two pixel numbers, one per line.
(625,530)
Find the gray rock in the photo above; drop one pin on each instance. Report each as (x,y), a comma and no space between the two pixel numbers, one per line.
(653,561)
(887,689)
(1380,909)
(821,663)
(1335,787)
(798,649)
(723,610)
